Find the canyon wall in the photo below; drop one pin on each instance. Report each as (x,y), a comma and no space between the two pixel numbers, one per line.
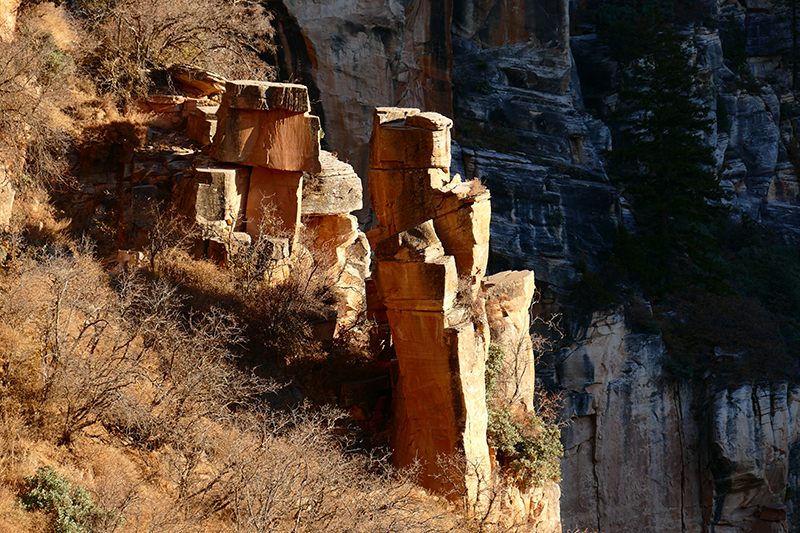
(646,454)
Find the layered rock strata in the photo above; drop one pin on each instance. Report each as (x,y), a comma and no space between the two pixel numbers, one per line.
(329,197)
(267,129)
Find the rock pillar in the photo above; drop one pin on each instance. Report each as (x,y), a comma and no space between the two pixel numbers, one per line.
(508,299)
(430,252)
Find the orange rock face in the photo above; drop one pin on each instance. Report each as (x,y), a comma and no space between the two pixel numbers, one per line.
(410,182)
(267,125)
(432,230)
(279,139)
(280,189)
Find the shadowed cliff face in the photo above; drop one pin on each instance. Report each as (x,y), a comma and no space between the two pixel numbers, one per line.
(497,23)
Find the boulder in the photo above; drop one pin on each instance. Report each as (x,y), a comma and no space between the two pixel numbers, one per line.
(418,141)
(197,82)
(222,194)
(331,236)
(266,96)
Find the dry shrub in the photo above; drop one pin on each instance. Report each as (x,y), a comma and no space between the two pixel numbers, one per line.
(14,520)
(135,36)
(34,220)
(290,472)
(204,284)
(165,385)
(286,301)
(164,429)
(32,75)
(85,353)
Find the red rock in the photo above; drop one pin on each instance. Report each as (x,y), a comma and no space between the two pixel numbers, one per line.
(279,188)
(278,139)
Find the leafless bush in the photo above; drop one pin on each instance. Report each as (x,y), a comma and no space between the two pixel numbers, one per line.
(125,357)
(290,472)
(168,232)
(135,36)
(284,298)
(33,141)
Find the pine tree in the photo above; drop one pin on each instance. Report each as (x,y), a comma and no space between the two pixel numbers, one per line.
(660,159)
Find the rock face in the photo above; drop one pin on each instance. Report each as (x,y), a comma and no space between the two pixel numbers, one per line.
(631,459)
(688,457)
(440,404)
(202,124)
(510,68)
(508,297)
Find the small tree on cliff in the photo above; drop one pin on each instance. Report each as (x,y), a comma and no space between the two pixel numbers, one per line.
(660,161)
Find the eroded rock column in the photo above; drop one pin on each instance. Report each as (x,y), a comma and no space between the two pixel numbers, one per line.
(433,231)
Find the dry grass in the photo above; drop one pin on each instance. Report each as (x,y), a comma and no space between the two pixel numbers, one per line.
(142,405)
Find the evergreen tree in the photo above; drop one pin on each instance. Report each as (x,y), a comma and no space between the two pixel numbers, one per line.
(660,159)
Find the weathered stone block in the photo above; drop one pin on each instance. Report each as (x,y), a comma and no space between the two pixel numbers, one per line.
(358,255)
(222,194)
(335,189)
(197,81)
(277,139)
(266,96)
(332,235)
(219,248)
(201,124)
(419,243)
(464,232)
(277,188)
(400,145)
(403,198)
(429,121)
(429,286)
